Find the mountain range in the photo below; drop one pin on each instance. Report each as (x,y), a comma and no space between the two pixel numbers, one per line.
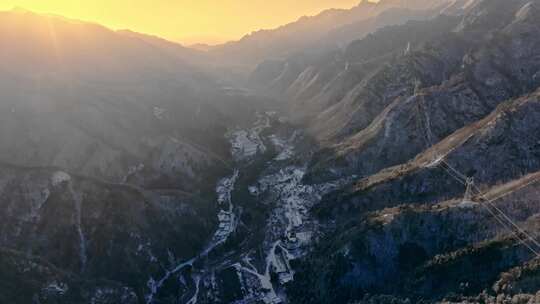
(389,153)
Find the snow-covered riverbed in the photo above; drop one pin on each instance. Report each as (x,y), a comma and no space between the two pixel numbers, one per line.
(246,144)
(290,227)
(288,230)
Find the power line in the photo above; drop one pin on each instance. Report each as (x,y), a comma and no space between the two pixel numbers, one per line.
(501,217)
(514,234)
(508,218)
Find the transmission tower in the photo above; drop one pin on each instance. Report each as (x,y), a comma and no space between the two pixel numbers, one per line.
(468,197)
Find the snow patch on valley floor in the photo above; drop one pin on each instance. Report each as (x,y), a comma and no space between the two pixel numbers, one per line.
(288,231)
(284,146)
(60,177)
(248,143)
(290,228)
(227,218)
(195,297)
(56,288)
(159,113)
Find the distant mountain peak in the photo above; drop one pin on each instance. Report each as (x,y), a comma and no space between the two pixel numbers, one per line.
(367,2)
(20,11)
(201,47)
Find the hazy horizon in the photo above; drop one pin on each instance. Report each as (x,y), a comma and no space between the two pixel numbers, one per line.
(182,22)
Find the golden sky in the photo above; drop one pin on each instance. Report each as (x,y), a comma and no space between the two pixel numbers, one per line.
(186,21)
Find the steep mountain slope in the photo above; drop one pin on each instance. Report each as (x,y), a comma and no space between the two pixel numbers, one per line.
(448,84)
(394,250)
(409,229)
(74,48)
(424,252)
(117,233)
(311,83)
(27,279)
(101,111)
(187,54)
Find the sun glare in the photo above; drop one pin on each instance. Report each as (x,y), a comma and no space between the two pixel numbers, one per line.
(204,21)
